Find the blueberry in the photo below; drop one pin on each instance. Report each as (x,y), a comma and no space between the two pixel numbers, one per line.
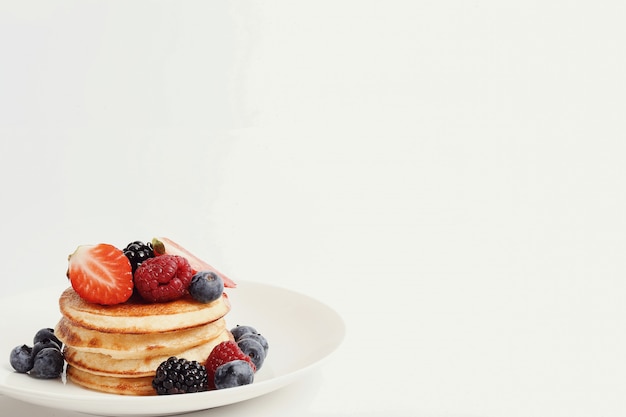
(239,331)
(206,286)
(43,344)
(253,349)
(233,374)
(47,333)
(48,364)
(259,338)
(21,358)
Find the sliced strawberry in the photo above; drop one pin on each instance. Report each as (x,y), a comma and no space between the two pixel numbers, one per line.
(100,274)
(164,245)
(222,353)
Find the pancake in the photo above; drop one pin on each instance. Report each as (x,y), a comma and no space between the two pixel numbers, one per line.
(105,365)
(113,385)
(136,345)
(137,316)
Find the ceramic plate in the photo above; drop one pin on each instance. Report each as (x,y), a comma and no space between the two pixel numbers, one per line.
(301,332)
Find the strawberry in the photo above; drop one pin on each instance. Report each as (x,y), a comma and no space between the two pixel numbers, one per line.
(100,274)
(223,353)
(164,245)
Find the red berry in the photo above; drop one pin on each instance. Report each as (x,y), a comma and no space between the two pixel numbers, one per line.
(223,353)
(100,274)
(163,278)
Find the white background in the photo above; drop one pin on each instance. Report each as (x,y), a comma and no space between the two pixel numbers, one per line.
(448,175)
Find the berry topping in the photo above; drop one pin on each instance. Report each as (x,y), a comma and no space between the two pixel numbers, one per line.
(179,376)
(100,274)
(206,286)
(44,344)
(137,252)
(258,337)
(43,360)
(47,364)
(224,352)
(21,358)
(47,333)
(163,278)
(233,374)
(254,350)
(164,245)
(239,331)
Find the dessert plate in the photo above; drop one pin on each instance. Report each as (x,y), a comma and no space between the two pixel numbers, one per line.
(301,331)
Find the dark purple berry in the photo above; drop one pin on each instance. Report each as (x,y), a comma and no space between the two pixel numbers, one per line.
(233,374)
(180,376)
(238,331)
(47,333)
(47,364)
(206,286)
(21,358)
(137,252)
(43,344)
(259,338)
(253,349)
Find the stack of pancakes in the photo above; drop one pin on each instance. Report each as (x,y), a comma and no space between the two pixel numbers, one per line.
(118,348)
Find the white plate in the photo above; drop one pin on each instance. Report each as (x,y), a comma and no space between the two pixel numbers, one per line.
(301,332)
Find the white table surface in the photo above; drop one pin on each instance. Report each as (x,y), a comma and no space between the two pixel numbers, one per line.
(449,176)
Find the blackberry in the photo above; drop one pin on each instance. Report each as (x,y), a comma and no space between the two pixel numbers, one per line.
(137,252)
(180,376)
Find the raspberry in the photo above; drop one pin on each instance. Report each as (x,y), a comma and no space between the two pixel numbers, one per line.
(224,352)
(163,278)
